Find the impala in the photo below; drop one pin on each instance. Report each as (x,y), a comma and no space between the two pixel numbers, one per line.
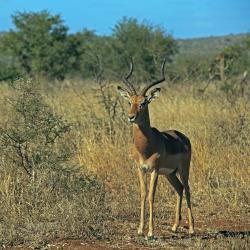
(157,153)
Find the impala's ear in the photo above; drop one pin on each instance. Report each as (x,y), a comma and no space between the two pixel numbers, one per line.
(153,94)
(123,92)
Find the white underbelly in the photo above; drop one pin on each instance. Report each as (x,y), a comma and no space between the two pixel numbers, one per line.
(166,171)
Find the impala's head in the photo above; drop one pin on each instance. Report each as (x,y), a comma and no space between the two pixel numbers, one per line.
(139,101)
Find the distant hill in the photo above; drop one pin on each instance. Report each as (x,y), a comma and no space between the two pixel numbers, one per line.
(208,45)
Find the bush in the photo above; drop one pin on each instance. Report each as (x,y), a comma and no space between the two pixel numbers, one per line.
(43,195)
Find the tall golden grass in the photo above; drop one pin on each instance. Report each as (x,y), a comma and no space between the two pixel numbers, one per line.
(219,132)
(218,129)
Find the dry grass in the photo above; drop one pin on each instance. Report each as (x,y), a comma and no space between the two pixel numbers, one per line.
(220,172)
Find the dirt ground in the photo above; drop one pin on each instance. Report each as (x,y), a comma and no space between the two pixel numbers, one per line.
(214,231)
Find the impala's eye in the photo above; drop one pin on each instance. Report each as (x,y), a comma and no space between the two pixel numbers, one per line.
(142,105)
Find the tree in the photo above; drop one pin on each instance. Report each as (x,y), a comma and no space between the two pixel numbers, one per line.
(233,59)
(147,44)
(41,45)
(108,56)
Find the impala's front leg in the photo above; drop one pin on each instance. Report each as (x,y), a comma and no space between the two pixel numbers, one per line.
(151,196)
(143,187)
(149,164)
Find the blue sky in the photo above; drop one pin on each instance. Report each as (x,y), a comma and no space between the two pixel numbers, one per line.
(182,18)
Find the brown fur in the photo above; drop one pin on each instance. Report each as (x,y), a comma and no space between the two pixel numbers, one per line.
(159,153)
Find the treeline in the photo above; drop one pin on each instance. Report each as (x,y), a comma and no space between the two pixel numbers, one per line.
(41,45)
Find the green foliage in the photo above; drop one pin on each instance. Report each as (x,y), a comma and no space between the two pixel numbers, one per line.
(186,67)
(147,44)
(108,57)
(208,45)
(198,58)
(237,57)
(97,55)
(41,45)
(8,71)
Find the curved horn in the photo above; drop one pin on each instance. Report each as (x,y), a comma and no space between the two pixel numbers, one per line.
(126,81)
(145,89)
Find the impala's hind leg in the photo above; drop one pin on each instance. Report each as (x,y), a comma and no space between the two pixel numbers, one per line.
(174,181)
(184,179)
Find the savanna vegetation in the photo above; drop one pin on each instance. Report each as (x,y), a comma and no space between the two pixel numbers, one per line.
(66,171)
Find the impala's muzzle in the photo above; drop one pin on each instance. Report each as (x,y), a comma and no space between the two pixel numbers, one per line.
(131,118)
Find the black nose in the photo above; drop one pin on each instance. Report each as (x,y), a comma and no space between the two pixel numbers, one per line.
(131,118)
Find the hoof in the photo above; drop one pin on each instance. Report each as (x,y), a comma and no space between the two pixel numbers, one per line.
(144,168)
(140,232)
(191,231)
(151,237)
(174,228)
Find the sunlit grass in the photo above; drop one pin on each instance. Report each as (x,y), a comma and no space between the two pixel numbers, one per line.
(219,133)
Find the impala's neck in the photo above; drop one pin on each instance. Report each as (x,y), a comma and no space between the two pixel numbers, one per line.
(142,130)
